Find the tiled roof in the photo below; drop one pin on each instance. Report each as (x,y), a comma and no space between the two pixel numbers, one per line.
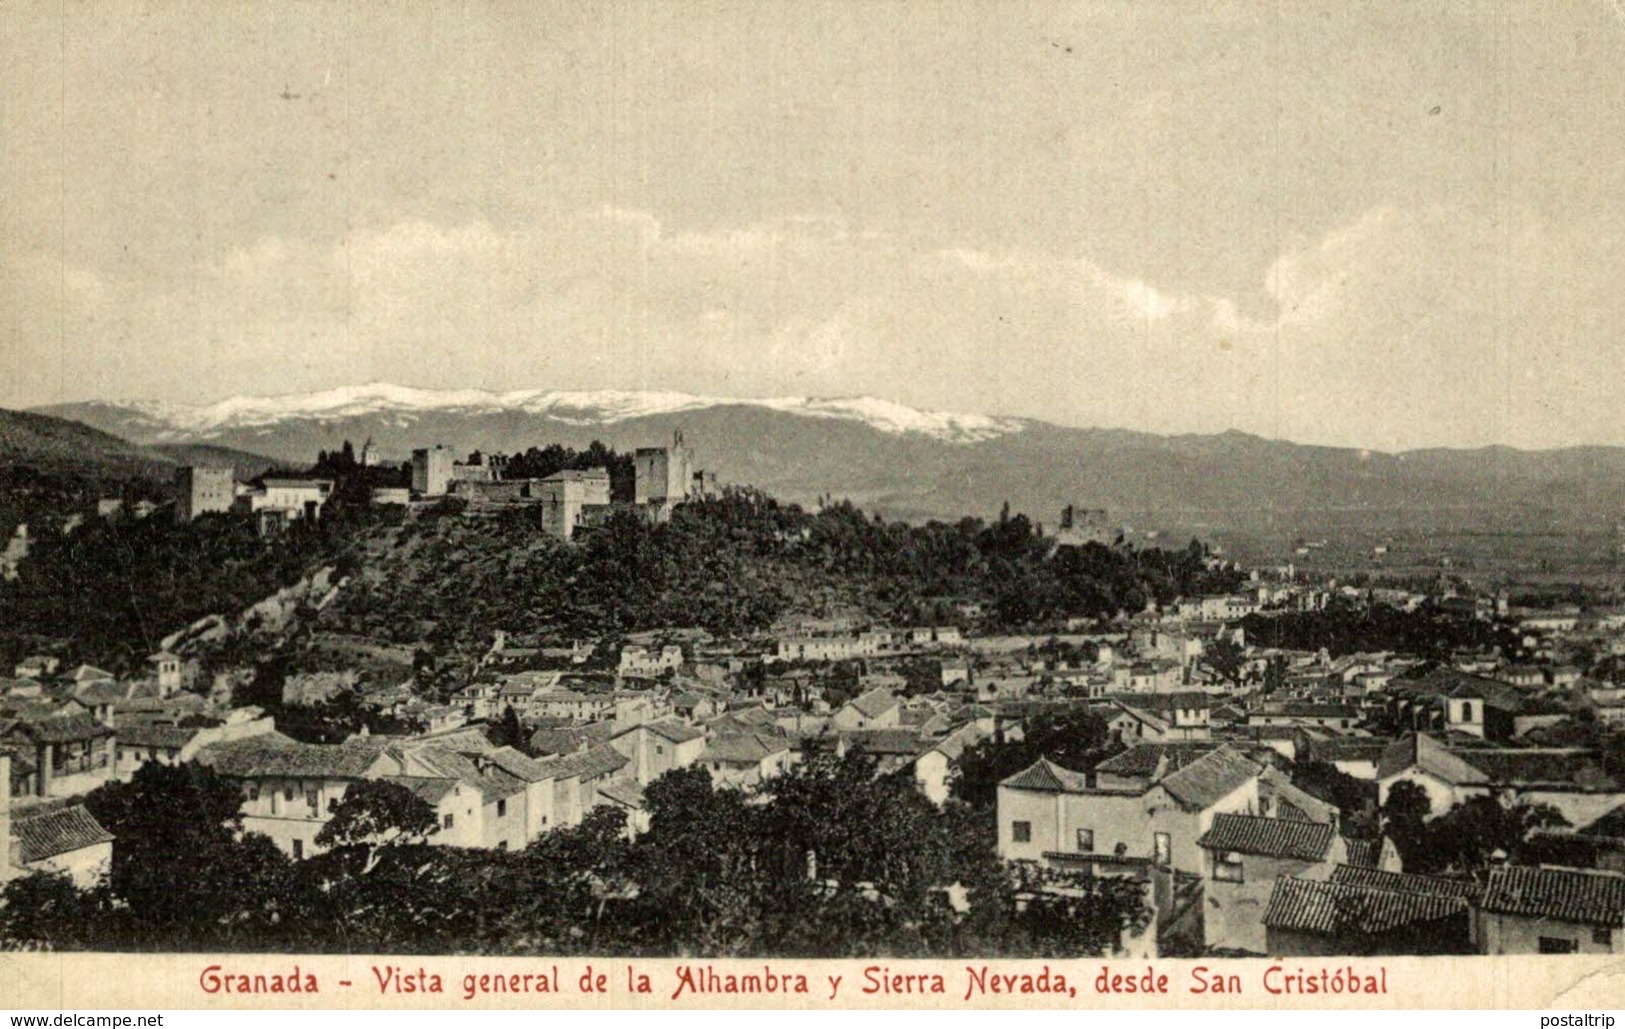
(276,756)
(1330,908)
(1269,837)
(171,737)
(49,832)
(885,742)
(875,703)
(667,729)
(1211,778)
(1419,750)
(1362,853)
(1561,894)
(518,765)
(556,741)
(1404,883)
(1045,776)
(64,728)
(1535,766)
(743,748)
(589,764)
(430,789)
(493,782)
(625,792)
(1151,759)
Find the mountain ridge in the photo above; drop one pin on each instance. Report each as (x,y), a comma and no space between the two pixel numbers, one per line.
(915,465)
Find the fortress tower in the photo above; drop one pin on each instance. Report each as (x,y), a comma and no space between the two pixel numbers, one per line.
(665,475)
(200,491)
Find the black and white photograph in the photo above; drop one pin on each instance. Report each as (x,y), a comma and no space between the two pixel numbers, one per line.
(1055,483)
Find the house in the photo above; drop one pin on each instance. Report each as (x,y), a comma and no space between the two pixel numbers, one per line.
(495,814)
(1353,756)
(1183,715)
(286,500)
(1552,911)
(745,759)
(52,837)
(573,706)
(656,748)
(936,766)
(71,750)
(587,770)
(694,707)
(1570,780)
(1056,817)
(627,795)
(1243,856)
(1333,917)
(643,661)
(1325,716)
(457,806)
(167,743)
(290,789)
(876,709)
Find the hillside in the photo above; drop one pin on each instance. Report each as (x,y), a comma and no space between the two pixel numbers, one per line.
(59,446)
(917,465)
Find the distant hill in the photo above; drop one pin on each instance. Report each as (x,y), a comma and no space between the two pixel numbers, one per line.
(54,446)
(910,464)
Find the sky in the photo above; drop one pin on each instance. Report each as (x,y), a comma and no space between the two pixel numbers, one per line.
(1386,226)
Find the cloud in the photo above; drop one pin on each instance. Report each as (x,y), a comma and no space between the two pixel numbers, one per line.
(1402,327)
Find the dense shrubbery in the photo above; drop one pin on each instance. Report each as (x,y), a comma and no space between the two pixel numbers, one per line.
(829,861)
(111,590)
(732,564)
(1344,628)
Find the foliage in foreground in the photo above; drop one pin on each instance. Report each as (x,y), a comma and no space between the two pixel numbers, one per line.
(828,860)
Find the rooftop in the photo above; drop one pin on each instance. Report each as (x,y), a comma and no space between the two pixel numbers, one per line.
(1560,894)
(1269,837)
(1331,908)
(46,833)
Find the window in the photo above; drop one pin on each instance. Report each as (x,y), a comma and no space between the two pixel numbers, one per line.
(1021,832)
(287,794)
(502,844)
(447,822)
(1467,711)
(1086,841)
(660,748)
(1555,945)
(253,793)
(1162,849)
(502,808)
(1603,937)
(1227,868)
(298,849)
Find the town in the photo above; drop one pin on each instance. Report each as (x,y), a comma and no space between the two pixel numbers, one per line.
(1008,739)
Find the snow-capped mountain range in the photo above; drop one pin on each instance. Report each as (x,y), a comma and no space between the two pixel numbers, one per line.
(175,421)
(902,462)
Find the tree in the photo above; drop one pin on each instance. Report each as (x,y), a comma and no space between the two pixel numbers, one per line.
(1064,914)
(508,732)
(1226,657)
(1074,739)
(1404,819)
(375,814)
(46,909)
(179,868)
(1469,837)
